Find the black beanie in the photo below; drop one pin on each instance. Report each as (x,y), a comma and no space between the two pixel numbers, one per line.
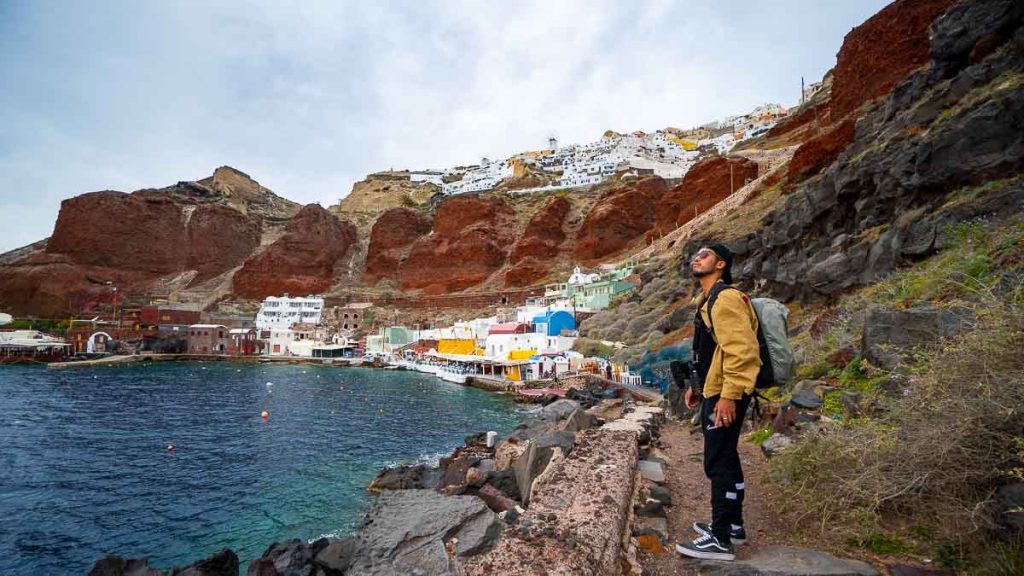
(725,254)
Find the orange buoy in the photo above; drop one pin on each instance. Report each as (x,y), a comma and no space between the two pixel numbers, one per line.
(264,414)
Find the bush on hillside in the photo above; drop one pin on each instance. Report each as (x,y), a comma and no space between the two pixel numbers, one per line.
(935,459)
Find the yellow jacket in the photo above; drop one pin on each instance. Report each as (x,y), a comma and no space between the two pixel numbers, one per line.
(737,359)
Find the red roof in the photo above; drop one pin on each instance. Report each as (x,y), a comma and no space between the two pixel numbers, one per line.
(509,328)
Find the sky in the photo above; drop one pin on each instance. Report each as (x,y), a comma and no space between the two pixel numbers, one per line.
(309,97)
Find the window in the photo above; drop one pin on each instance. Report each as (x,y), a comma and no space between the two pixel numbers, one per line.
(355,315)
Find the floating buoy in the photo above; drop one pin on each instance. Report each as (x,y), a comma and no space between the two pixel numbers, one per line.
(380,411)
(264,414)
(170,447)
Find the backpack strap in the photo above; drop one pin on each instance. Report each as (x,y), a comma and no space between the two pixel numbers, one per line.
(712,298)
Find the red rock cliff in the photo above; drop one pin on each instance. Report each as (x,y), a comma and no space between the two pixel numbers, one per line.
(302,261)
(540,243)
(882,51)
(470,241)
(620,216)
(706,184)
(392,234)
(121,231)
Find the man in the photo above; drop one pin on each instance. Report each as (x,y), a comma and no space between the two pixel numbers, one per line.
(727,360)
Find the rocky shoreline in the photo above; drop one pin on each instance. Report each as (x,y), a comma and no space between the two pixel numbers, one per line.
(556,494)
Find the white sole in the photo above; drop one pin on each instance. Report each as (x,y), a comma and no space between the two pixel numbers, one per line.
(705,555)
(735,541)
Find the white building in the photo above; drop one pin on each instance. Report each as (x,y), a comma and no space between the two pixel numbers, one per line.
(284,311)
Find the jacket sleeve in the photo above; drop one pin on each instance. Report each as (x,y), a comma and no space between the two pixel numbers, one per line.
(735,327)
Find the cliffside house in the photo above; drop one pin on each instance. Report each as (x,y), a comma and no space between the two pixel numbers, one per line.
(284,311)
(208,339)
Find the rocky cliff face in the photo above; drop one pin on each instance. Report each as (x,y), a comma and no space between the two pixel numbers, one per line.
(392,235)
(882,51)
(540,243)
(301,262)
(189,231)
(385,191)
(706,184)
(470,240)
(620,217)
(946,146)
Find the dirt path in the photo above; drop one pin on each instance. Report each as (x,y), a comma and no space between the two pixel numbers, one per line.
(691,500)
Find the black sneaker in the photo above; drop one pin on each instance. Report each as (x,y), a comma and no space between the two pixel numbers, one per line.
(738,537)
(706,547)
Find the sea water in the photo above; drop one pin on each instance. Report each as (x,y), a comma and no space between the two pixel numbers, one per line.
(85,468)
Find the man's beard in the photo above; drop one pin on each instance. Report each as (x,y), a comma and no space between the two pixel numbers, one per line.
(699,274)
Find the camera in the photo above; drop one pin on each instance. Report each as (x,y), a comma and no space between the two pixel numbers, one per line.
(684,374)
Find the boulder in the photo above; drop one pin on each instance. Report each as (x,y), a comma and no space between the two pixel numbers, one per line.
(891,334)
(775,444)
(579,420)
(406,477)
(557,410)
(495,499)
(336,557)
(505,482)
(807,394)
(406,532)
(660,493)
(650,470)
(117,566)
(1010,507)
(789,561)
(538,456)
(223,563)
(291,557)
(650,509)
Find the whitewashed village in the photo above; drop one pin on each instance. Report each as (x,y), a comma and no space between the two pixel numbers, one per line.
(522,348)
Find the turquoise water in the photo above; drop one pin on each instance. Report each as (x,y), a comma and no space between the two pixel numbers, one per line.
(85,471)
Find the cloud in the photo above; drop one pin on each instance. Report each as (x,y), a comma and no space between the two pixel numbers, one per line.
(310,97)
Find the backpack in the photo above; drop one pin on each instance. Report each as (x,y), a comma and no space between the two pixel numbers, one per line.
(777,365)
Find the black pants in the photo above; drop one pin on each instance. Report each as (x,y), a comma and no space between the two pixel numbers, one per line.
(722,466)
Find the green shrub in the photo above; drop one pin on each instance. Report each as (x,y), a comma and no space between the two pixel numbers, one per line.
(934,458)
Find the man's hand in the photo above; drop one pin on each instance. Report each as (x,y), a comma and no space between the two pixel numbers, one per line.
(725,412)
(691,399)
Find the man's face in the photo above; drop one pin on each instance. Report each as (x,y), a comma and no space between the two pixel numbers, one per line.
(705,262)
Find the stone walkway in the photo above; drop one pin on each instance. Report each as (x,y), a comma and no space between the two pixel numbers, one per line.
(766,551)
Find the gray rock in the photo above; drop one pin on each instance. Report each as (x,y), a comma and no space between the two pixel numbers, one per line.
(789,561)
(336,557)
(891,334)
(661,494)
(405,532)
(505,482)
(293,557)
(653,471)
(117,566)
(223,563)
(579,420)
(406,477)
(955,33)
(850,401)
(538,455)
(557,410)
(806,394)
(775,444)
(1010,507)
(650,509)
